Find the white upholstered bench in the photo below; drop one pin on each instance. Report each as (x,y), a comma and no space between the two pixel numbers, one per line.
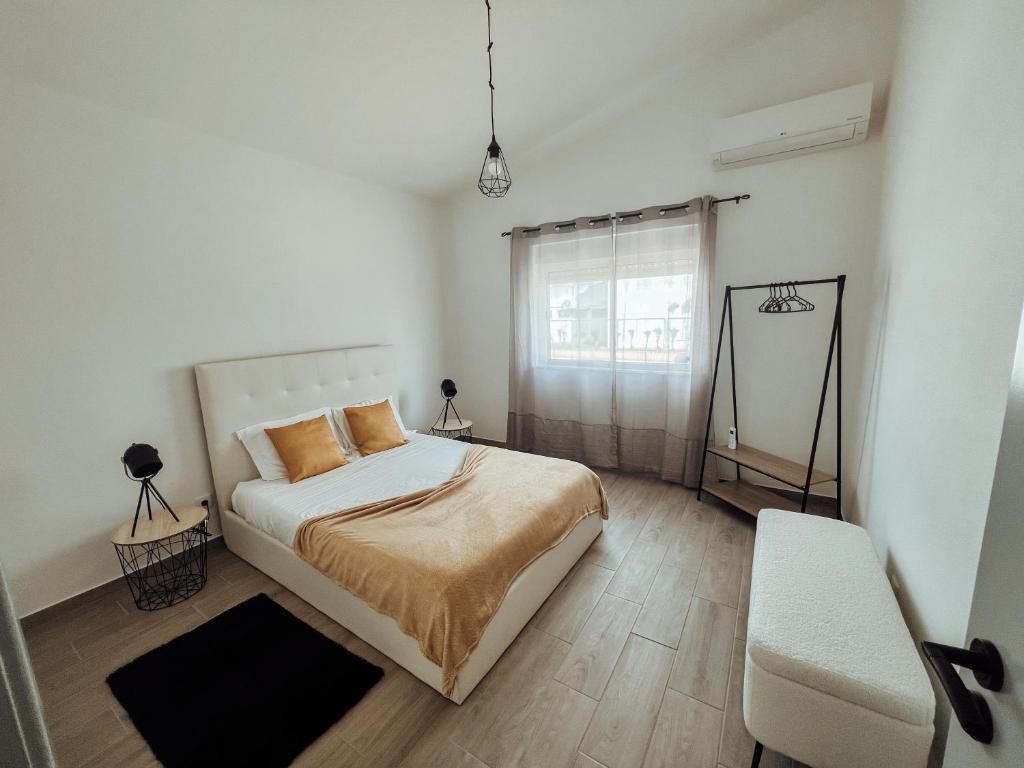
(832,677)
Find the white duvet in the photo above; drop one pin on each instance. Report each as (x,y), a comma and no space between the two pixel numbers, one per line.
(278,507)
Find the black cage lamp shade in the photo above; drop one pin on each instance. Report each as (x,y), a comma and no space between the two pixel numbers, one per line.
(494,177)
(448,388)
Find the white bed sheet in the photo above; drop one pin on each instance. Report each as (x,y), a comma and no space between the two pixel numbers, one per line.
(278,507)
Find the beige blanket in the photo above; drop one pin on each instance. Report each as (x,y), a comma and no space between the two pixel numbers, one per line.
(439,561)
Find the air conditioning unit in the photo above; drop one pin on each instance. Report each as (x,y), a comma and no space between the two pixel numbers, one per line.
(827,121)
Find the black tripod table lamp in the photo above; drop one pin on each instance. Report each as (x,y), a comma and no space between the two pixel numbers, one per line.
(141,464)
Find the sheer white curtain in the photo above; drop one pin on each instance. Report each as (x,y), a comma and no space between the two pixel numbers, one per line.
(610,349)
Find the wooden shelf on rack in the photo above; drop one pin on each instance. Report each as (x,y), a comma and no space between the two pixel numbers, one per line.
(789,472)
(749,497)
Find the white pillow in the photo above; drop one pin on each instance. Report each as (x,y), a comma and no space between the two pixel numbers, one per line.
(348,441)
(261,449)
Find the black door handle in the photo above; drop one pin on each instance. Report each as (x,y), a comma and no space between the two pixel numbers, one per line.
(986,663)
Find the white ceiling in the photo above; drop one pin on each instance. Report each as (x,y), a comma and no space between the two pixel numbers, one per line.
(391,91)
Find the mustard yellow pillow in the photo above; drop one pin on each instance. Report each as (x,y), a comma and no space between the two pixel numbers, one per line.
(374,427)
(307,448)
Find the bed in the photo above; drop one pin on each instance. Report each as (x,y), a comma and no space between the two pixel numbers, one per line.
(259,518)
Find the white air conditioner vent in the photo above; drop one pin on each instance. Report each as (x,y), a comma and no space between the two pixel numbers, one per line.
(827,121)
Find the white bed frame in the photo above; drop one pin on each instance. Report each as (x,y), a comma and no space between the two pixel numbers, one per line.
(239,393)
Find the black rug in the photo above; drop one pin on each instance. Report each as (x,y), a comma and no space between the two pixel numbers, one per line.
(253,686)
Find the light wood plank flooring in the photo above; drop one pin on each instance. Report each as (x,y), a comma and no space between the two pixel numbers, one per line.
(635,661)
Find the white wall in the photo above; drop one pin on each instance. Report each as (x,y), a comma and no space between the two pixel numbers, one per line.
(948,295)
(812,216)
(130,251)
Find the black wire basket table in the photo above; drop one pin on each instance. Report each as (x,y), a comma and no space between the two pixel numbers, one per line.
(164,562)
(454,429)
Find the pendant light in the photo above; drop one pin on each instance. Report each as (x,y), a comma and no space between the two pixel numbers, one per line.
(494,179)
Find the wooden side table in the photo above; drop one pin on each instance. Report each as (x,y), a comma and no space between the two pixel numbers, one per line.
(454,429)
(165,561)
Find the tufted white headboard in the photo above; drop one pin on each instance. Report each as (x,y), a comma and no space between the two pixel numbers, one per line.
(239,393)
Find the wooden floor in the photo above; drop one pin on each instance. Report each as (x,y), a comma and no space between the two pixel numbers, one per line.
(635,660)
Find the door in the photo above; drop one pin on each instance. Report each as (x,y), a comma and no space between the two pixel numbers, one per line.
(997,613)
(23,739)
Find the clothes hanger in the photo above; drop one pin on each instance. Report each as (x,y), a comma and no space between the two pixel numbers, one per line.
(792,300)
(805,305)
(780,304)
(791,303)
(784,297)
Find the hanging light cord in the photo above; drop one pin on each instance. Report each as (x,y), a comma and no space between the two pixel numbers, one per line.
(490,63)
(494,179)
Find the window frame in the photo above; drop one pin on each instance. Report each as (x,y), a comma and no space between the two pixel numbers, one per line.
(542,283)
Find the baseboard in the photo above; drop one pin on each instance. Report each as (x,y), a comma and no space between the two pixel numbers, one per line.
(43,614)
(817,499)
(492,443)
(797,495)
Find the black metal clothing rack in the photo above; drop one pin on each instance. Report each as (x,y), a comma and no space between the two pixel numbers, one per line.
(752,498)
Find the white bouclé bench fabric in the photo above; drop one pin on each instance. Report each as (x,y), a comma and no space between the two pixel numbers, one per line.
(832,674)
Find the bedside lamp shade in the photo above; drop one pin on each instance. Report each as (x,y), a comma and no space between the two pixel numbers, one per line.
(142,461)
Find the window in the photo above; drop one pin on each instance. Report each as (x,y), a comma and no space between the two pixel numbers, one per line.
(653,319)
(577,317)
(650,298)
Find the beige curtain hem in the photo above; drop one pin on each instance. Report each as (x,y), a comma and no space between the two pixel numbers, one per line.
(604,446)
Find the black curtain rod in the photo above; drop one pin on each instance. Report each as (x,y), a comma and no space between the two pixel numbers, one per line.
(734,199)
